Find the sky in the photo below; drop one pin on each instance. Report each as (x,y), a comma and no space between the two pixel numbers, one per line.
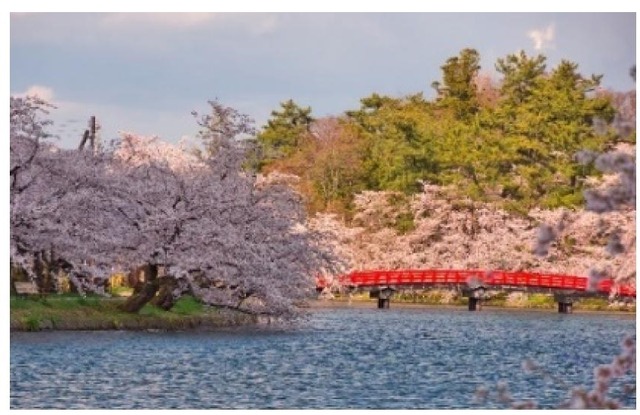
(146,73)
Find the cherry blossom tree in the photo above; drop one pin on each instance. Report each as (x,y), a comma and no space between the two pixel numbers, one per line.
(221,125)
(219,233)
(69,218)
(45,181)
(451,233)
(28,139)
(198,225)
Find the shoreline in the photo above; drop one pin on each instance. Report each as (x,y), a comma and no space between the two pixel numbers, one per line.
(366,303)
(134,324)
(75,313)
(67,313)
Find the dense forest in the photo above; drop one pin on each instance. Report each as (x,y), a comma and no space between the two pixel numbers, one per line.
(519,142)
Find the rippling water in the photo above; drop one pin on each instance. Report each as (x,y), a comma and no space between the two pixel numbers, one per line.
(339,358)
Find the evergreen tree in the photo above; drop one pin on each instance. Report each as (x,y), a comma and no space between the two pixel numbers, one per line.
(515,145)
(400,141)
(545,119)
(284,132)
(458,90)
(520,75)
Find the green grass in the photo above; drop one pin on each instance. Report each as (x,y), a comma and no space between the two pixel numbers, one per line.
(601,304)
(188,306)
(540,301)
(74,312)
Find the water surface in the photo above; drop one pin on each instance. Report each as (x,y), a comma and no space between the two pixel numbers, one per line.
(357,358)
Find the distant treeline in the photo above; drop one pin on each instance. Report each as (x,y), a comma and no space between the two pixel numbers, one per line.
(515,141)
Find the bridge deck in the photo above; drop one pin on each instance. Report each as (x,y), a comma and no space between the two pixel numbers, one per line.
(488,279)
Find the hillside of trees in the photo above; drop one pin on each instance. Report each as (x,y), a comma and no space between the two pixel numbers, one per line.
(473,178)
(450,233)
(513,142)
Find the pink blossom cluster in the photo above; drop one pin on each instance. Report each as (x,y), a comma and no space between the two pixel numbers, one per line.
(462,234)
(221,234)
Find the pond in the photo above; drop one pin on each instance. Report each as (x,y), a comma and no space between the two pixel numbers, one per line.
(355,358)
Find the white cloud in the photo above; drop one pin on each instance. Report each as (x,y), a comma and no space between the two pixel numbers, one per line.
(542,38)
(168,20)
(42,92)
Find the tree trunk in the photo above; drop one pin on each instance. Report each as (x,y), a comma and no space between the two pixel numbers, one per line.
(43,271)
(165,298)
(146,294)
(136,278)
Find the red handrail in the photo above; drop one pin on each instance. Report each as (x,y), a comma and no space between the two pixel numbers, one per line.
(497,278)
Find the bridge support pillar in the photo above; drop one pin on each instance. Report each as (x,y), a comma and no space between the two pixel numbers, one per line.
(475,304)
(565,302)
(476,295)
(565,308)
(384,297)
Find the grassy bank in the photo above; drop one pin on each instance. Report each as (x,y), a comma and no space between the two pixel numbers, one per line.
(502,300)
(73,312)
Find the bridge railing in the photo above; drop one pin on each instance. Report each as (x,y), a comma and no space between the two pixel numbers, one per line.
(495,278)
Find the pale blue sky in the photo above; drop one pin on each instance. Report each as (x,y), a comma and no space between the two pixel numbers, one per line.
(146,72)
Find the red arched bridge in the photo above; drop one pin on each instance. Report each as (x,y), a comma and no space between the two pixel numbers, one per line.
(475,283)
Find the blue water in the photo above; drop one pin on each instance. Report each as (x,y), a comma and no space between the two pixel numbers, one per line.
(338,358)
